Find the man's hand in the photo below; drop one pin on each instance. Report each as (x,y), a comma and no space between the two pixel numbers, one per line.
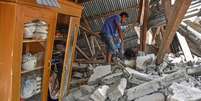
(122,35)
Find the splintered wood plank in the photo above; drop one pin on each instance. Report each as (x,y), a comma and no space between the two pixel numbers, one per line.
(100,49)
(179,10)
(89,45)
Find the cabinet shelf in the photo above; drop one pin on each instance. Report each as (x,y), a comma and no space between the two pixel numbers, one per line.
(60,39)
(32,40)
(35,69)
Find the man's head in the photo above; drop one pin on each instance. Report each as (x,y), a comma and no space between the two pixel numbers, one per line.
(124,17)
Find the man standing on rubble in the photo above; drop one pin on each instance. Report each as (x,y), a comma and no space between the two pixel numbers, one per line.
(112,35)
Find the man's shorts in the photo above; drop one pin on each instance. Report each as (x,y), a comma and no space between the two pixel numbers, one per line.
(111,46)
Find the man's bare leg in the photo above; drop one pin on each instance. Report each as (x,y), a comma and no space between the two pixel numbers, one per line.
(109,57)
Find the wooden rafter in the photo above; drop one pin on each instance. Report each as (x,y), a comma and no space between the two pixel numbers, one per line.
(100,49)
(88,44)
(143,35)
(157,31)
(86,23)
(168,8)
(140,9)
(82,52)
(179,9)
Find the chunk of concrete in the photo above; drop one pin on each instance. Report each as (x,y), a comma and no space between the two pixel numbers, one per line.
(74,95)
(100,93)
(152,97)
(143,61)
(110,79)
(69,98)
(117,90)
(184,93)
(139,75)
(83,98)
(100,72)
(130,63)
(85,89)
(155,85)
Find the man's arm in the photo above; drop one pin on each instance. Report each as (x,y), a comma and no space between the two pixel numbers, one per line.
(117,22)
(121,34)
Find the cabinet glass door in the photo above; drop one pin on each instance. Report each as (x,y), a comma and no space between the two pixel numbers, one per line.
(70,51)
(58,56)
(35,40)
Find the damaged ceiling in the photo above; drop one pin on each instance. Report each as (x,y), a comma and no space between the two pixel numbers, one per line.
(95,11)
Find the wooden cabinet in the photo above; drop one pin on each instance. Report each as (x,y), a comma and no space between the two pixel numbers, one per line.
(14,15)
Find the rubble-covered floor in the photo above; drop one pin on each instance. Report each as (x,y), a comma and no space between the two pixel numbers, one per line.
(173,80)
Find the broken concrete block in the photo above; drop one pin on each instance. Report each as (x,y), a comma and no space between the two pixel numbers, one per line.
(143,61)
(152,97)
(117,90)
(123,98)
(74,95)
(83,98)
(100,72)
(139,75)
(100,93)
(112,78)
(85,89)
(77,94)
(155,85)
(130,63)
(132,79)
(141,53)
(194,71)
(122,85)
(82,94)
(184,93)
(69,98)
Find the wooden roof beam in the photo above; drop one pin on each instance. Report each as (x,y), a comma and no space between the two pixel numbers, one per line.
(144,29)
(140,12)
(168,8)
(177,13)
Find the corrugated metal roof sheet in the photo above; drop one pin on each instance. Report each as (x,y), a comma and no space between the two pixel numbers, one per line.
(96,11)
(194,9)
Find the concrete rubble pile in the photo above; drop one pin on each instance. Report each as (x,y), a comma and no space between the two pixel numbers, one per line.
(173,80)
(81,72)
